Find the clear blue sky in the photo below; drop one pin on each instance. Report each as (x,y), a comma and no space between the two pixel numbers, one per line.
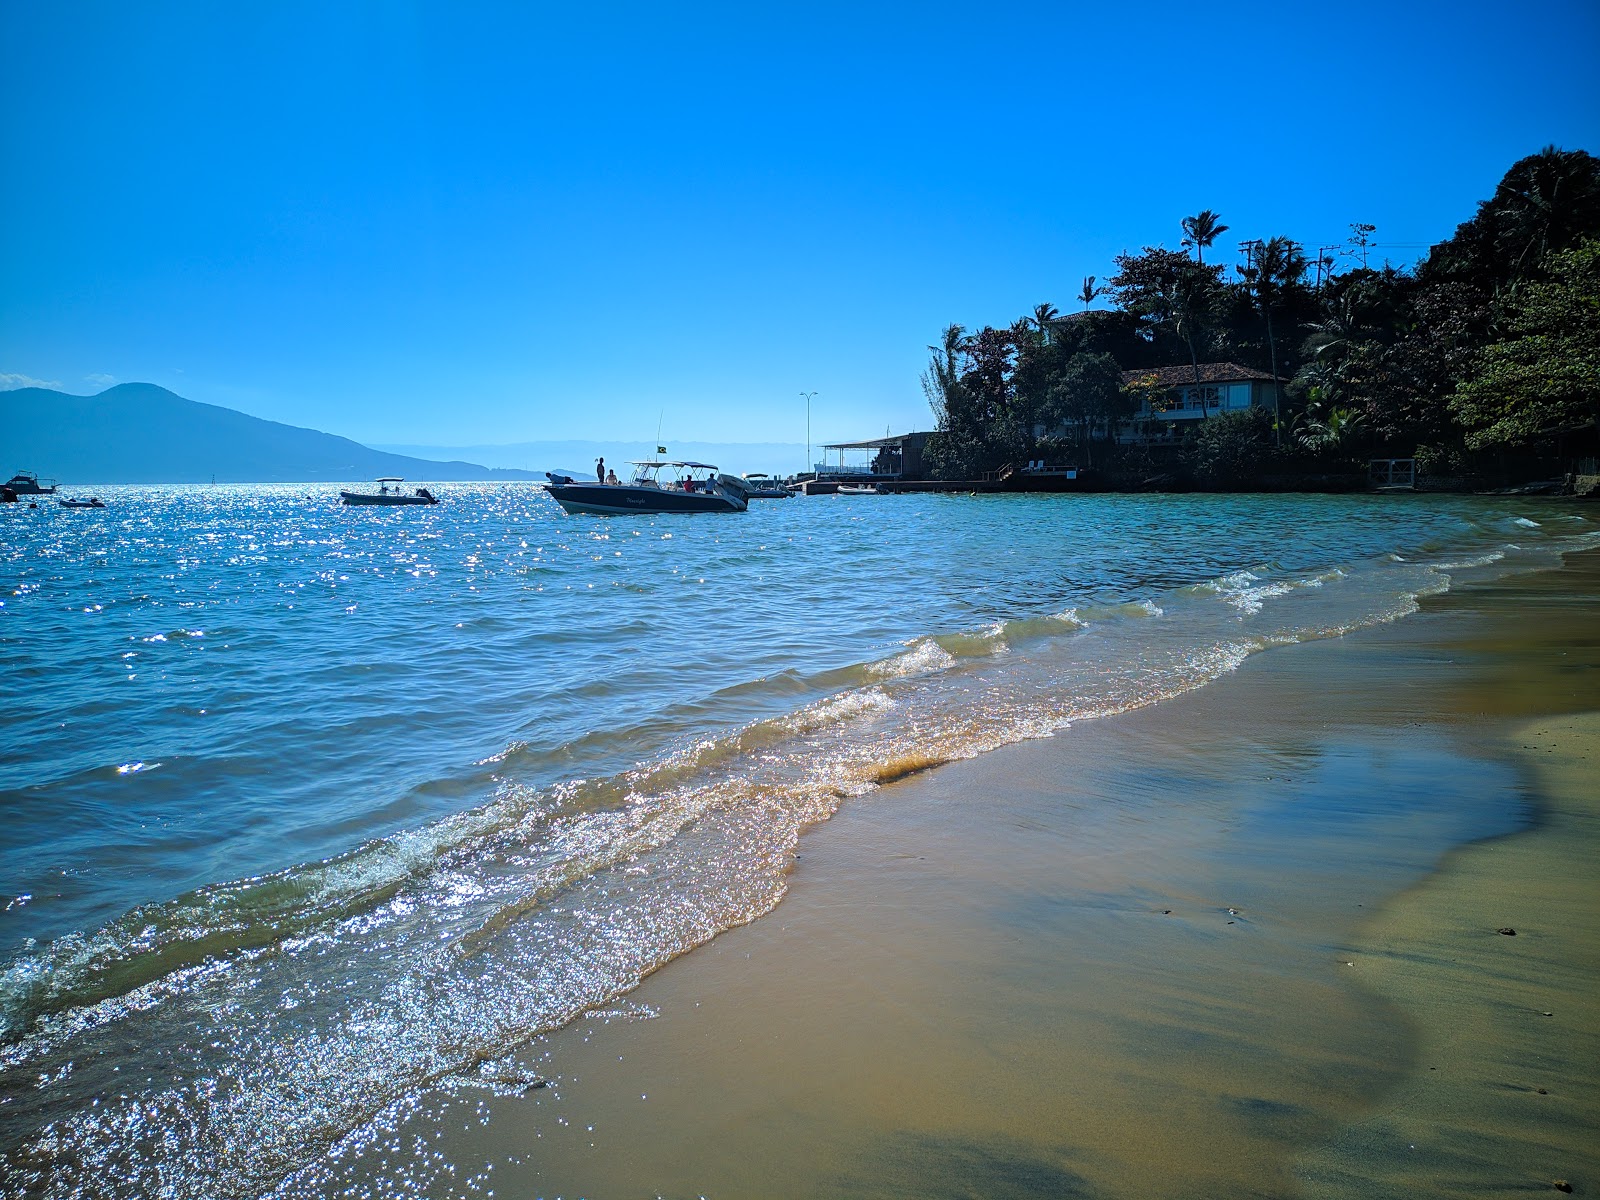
(456,223)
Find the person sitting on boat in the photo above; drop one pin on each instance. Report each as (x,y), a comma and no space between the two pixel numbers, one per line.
(611,479)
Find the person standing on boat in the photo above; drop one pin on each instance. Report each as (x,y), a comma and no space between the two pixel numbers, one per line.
(600,469)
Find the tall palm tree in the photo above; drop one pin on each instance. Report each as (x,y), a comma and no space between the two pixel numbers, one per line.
(1277,263)
(1089,291)
(1043,316)
(942,380)
(1190,307)
(1201,230)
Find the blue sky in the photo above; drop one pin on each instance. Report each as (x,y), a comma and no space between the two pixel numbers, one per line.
(477,223)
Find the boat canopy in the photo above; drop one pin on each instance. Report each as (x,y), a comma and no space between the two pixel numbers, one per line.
(659,462)
(390,479)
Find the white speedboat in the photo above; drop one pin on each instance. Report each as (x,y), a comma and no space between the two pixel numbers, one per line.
(73,502)
(387,494)
(657,487)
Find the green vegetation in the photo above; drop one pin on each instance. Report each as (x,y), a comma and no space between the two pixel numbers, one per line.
(1482,361)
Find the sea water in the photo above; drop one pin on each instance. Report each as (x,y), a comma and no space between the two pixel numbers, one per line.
(305,807)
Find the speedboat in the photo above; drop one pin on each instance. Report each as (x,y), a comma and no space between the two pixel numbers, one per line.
(389,495)
(26,483)
(657,487)
(91,502)
(756,485)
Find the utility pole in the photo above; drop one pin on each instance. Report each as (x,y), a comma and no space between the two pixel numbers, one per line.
(1324,260)
(1248,249)
(808,396)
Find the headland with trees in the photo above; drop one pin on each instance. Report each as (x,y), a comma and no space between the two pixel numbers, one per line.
(1481,362)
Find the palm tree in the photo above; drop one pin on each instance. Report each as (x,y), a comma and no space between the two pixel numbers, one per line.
(1190,307)
(941,381)
(1201,230)
(1277,263)
(1089,291)
(1543,202)
(1044,315)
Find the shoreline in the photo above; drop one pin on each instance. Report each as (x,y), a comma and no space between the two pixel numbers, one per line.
(897,1027)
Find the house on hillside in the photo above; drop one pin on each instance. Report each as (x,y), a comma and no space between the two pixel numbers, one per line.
(1222,387)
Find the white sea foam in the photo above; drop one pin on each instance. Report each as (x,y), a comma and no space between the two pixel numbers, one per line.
(924,657)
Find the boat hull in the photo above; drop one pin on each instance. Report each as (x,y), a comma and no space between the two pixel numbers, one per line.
(616,499)
(364,498)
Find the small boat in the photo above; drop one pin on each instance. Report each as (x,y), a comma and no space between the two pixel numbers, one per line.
(687,487)
(26,483)
(756,485)
(91,502)
(854,489)
(389,495)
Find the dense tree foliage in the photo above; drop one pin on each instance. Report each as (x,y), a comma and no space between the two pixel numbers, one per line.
(1482,361)
(1542,379)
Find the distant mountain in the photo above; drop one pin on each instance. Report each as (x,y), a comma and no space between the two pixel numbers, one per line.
(141,433)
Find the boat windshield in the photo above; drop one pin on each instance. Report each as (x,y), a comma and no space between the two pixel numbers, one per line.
(672,474)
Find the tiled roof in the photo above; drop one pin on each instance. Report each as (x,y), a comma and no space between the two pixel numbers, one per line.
(1209,373)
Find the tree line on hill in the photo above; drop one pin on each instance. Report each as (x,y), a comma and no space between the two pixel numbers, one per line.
(1482,362)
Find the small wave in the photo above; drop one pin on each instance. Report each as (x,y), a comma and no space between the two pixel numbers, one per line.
(1481,560)
(1090,614)
(834,710)
(907,764)
(925,657)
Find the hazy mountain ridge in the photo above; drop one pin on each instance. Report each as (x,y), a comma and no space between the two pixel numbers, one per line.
(142,433)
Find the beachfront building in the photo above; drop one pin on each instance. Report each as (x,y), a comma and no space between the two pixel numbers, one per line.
(877,460)
(1178,395)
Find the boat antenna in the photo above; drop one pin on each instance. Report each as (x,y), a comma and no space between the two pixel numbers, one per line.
(660,449)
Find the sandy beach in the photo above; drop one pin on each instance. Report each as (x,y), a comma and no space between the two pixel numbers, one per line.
(1242,943)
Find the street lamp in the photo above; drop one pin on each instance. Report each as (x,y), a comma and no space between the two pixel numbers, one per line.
(808,396)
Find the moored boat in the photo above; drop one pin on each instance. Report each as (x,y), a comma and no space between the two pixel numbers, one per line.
(389,495)
(74,502)
(687,487)
(756,485)
(26,483)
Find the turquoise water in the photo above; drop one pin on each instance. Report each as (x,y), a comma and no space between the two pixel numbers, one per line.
(305,806)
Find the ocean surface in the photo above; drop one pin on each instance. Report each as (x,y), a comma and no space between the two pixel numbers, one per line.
(304,807)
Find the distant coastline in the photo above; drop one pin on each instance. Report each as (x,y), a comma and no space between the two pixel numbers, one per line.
(142,433)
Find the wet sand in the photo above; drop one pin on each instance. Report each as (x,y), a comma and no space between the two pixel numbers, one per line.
(1197,950)
(1496,960)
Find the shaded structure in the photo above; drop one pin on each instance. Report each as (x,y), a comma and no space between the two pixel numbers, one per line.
(886,459)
